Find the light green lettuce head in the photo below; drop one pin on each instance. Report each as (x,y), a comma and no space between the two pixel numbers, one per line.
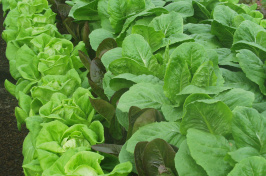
(53,139)
(74,110)
(50,84)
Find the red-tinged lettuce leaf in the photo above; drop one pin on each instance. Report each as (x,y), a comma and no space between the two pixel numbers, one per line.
(115,98)
(71,28)
(169,131)
(139,118)
(155,158)
(97,90)
(63,10)
(85,60)
(117,131)
(105,45)
(97,71)
(104,108)
(85,31)
(138,154)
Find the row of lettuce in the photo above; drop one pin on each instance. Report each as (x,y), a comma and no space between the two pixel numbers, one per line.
(53,95)
(179,83)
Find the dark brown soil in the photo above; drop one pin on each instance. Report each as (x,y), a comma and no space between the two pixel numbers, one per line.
(11,139)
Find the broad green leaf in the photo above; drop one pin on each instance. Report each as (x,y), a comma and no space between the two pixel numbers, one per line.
(84,11)
(260,38)
(117,11)
(225,36)
(227,57)
(251,166)
(154,38)
(110,56)
(169,24)
(125,156)
(259,50)
(126,80)
(172,113)
(184,8)
(184,62)
(248,129)
(135,6)
(127,65)
(208,151)
(239,80)
(253,67)
(143,95)
(97,36)
(204,76)
(120,10)
(207,90)
(177,77)
(236,97)
(159,3)
(247,31)
(207,115)
(200,11)
(169,131)
(242,153)
(135,47)
(195,97)
(191,28)
(185,164)
(223,14)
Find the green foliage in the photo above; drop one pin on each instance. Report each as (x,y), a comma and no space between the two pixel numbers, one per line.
(173,87)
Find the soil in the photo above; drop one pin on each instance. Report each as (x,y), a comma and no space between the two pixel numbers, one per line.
(11,139)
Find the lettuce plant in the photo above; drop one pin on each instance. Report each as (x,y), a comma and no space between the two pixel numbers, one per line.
(55,138)
(74,110)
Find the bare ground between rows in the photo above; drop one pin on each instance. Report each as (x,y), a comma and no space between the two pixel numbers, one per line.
(11,139)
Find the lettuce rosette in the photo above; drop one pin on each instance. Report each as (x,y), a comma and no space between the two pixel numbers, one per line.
(41,92)
(28,17)
(55,149)
(84,163)
(47,142)
(74,110)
